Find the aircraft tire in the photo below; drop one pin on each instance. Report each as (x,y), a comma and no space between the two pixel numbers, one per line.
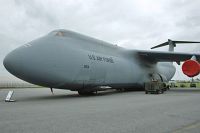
(157,91)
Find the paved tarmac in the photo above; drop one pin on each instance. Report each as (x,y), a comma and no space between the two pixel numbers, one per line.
(38,111)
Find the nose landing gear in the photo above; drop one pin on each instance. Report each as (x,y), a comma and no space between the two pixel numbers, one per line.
(51,90)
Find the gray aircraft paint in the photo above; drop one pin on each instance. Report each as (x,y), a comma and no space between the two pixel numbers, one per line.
(67,60)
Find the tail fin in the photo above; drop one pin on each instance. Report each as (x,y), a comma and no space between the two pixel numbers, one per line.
(172,44)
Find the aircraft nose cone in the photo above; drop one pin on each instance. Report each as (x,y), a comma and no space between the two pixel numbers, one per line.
(6,62)
(12,62)
(35,62)
(30,64)
(20,63)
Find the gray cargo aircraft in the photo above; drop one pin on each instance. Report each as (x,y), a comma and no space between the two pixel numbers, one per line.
(68,60)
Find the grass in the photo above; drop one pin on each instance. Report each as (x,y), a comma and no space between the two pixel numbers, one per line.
(187,84)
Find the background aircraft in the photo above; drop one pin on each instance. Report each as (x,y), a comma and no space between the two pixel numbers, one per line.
(68,60)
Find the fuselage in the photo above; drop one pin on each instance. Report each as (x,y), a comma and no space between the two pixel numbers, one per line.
(68,60)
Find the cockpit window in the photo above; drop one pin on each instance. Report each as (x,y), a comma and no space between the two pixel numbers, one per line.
(59,33)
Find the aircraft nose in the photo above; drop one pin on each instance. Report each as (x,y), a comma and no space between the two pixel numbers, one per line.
(32,65)
(20,63)
(12,62)
(6,62)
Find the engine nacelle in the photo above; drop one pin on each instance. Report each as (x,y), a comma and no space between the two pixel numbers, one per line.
(191,68)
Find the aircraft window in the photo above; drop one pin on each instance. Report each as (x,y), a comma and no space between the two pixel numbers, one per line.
(59,33)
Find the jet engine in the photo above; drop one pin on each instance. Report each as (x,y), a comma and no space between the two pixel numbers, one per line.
(191,68)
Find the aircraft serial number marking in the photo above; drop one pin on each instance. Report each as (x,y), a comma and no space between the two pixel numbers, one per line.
(101,58)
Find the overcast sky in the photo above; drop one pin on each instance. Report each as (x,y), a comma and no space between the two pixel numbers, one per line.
(134,24)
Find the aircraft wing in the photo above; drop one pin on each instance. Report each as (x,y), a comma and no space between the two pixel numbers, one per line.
(161,56)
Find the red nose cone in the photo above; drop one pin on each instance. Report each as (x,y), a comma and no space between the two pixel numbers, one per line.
(191,68)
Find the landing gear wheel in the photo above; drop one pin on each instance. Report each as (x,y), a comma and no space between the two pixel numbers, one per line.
(157,91)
